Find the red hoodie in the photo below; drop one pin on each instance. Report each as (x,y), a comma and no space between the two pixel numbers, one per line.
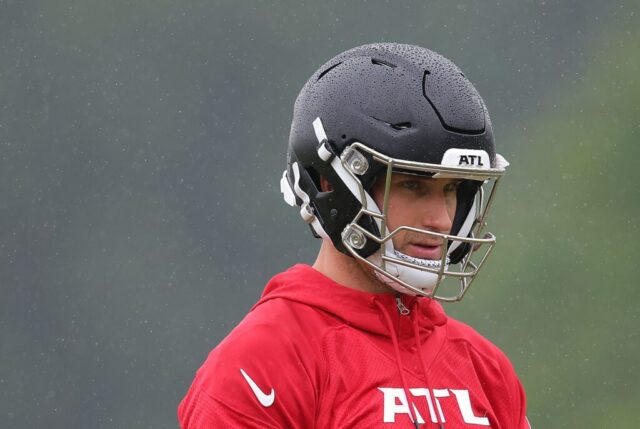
(314,354)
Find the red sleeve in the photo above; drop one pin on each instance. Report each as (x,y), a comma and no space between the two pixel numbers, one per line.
(222,395)
(521,417)
(517,396)
(199,410)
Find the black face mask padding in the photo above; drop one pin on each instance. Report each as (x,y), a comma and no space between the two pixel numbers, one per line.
(465,196)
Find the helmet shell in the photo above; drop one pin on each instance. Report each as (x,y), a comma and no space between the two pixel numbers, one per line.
(404,101)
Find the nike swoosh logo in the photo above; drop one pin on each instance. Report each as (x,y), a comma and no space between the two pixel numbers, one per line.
(263,398)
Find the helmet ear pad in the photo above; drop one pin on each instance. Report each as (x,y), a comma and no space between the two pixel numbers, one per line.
(465,197)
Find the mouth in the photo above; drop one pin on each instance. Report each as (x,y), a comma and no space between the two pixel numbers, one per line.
(425,250)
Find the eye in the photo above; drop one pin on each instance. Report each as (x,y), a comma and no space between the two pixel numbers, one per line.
(452,187)
(409,184)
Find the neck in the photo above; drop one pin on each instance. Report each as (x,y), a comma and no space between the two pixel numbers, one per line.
(347,271)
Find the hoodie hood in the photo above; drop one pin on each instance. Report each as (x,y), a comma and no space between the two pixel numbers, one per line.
(305,285)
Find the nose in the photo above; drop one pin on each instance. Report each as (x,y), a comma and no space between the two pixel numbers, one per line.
(437,211)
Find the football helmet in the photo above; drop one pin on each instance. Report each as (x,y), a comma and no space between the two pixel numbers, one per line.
(382,109)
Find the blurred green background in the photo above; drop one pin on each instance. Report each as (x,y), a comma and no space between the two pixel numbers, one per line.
(141,145)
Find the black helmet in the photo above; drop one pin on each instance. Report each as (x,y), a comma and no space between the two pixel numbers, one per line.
(383,108)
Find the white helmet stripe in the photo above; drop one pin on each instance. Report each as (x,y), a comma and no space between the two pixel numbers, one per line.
(346,177)
(319,130)
(285,189)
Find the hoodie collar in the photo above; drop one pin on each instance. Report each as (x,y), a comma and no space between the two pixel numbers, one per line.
(303,284)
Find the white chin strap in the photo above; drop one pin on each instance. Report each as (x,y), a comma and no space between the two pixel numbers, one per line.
(423,280)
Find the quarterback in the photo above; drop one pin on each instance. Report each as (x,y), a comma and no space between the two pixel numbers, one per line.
(392,164)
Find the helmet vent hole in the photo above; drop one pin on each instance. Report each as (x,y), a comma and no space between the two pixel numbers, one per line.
(401,125)
(328,70)
(396,126)
(380,62)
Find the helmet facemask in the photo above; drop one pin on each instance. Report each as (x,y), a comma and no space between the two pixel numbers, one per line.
(464,249)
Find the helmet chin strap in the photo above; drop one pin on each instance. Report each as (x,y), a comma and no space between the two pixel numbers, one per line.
(423,280)
(429,263)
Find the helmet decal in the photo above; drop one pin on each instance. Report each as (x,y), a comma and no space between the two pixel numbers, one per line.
(466,158)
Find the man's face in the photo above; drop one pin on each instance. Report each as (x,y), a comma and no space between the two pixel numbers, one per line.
(418,202)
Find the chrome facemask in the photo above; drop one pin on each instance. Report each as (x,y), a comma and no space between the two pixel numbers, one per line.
(405,273)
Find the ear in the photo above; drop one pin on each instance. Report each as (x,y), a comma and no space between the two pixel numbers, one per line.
(325,186)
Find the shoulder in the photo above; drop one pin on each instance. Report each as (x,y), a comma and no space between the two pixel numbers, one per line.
(275,334)
(265,369)
(283,322)
(279,341)
(478,346)
(493,369)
